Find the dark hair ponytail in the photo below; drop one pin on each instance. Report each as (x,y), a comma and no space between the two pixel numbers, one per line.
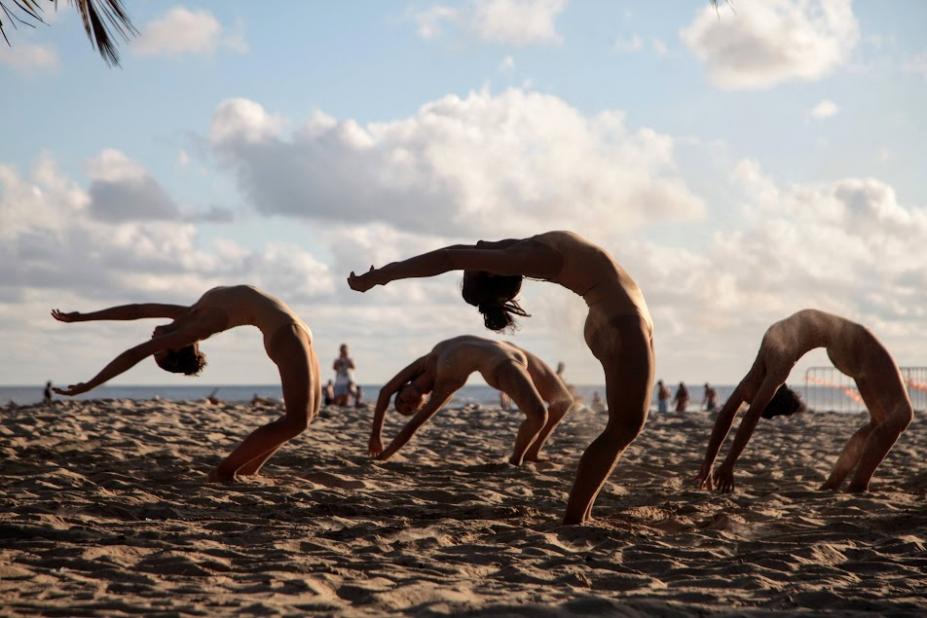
(494,297)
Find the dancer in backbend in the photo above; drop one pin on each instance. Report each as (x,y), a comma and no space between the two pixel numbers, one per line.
(514,371)
(856,352)
(175,347)
(618,329)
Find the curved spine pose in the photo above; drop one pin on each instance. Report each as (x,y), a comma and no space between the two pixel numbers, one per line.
(853,350)
(175,348)
(516,372)
(618,329)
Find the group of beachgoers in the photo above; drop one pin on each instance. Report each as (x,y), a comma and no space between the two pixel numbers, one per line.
(618,331)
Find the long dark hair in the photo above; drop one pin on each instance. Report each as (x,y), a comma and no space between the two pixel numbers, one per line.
(494,297)
(785,402)
(187,360)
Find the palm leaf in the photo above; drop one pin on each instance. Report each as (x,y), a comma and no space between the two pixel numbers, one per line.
(104,20)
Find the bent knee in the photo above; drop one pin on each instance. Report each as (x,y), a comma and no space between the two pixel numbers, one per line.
(294,425)
(899,419)
(536,415)
(626,427)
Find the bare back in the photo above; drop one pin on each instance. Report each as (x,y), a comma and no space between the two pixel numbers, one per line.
(851,347)
(453,360)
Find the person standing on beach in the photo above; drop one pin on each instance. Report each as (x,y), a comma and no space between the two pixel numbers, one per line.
(618,329)
(710,398)
(344,375)
(428,383)
(681,399)
(857,353)
(663,397)
(175,348)
(47,393)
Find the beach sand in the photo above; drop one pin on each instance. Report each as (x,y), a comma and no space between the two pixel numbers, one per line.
(105,512)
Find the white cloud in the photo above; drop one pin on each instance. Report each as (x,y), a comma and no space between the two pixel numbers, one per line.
(629,44)
(29,57)
(916,64)
(507,64)
(659,47)
(121,190)
(52,240)
(510,22)
(825,109)
(769,42)
(484,164)
(182,31)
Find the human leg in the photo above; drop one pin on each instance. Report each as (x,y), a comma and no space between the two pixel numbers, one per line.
(626,354)
(513,379)
(292,352)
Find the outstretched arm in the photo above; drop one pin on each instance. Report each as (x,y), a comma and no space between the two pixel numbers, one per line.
(719,433)
(375,445)
(525,257)
(725,472)
(129,359)
(435,403)
(136,311)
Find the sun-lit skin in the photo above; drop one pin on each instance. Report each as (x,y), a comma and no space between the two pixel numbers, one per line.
(853,350)
(618,330)
(425,385)
(287,341)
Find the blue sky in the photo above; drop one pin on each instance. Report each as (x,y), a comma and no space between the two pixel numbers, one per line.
(737,185)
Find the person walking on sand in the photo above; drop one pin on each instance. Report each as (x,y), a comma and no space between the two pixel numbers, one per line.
(344,375)
(710,398)
(175,348)
(663,397)
(681,399)
(618,329)
(428,383)
(856,352)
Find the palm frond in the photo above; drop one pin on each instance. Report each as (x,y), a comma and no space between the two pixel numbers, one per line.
(103,20)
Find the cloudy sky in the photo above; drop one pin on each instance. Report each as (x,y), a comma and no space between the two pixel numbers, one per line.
(741,165)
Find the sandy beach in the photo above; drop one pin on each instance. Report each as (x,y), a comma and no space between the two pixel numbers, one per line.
(105,512)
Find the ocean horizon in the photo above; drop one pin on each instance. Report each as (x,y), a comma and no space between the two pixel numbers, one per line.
(816,397)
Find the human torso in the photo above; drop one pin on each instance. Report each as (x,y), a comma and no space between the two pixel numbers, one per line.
(588,270)
(245,305)
(453,360)
(343,370)
(549,385)
(850,346)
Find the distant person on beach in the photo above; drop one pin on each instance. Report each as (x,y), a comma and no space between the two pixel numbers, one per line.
(596,403)
(663,397)
(175,348)
(428,383)
(710,398)
(618,329)
(47,393)
(856,352)
(358,393)
(212,399)
(681,399)
(561,367)
(328,393)
(344,375)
